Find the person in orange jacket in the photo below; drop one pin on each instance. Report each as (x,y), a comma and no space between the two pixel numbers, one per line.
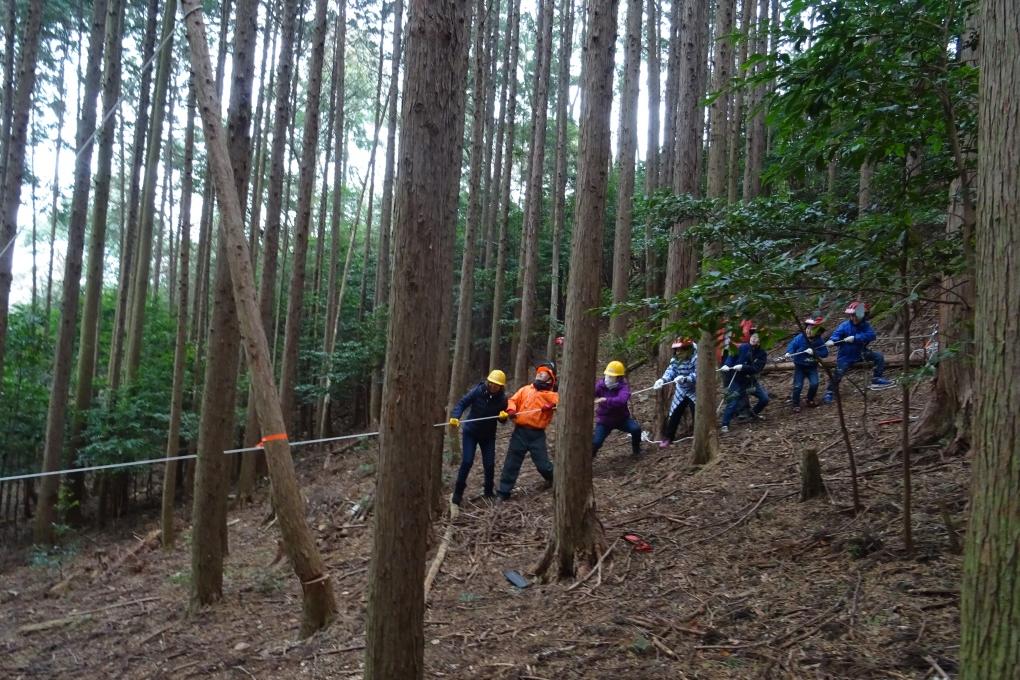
(531,409)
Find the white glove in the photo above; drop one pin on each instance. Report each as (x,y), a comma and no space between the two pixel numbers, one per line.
(809,351)
(830,343)
(681,379)
(738,367)
(848,338)
(658,384)
(785,357)
(725,369)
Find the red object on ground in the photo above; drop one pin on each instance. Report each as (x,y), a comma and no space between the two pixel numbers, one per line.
(640,544)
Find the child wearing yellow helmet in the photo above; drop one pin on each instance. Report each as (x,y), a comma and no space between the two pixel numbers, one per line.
(611,412)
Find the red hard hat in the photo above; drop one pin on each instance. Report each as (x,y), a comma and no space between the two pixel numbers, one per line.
(682,343)
(815,320)
(559,340)
(857,309)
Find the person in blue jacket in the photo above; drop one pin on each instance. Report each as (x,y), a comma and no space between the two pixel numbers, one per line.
(805,350)
(853,337)
(485,400)
(746,365)
(682,371)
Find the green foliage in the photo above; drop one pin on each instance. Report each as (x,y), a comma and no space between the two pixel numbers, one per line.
(131,423)
(24,397)
(782,258)
(53,558)
(870,81)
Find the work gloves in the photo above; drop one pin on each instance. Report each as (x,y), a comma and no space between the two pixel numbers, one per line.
(809,351)
(738,367)
(454,422)
(848,338)
(830,343)
(658,384)
(681,379)
(503,415)
(548,407)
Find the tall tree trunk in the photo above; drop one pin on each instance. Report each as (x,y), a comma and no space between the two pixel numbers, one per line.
(363,303)
(219,396)
(168,534)
(306,183)
(382,272)
(682,254)
(754,154)
(164,219)
(129,212)
(140,277)
(57,412)
(7,111)
(625,164)
(503,214)
(88,339)
(577,532)
(560,185)
(706,436)
(737,112)
(317,590)
(429,152)
(990,602)
(677,10)
(533,215)
(331,143)
(13,173)
(949,412)
(490,167)
(55,206)
(652,159)
(462,345)
(200,318)
(865,174)
(274,207)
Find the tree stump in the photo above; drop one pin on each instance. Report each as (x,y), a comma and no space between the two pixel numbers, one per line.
(811,484)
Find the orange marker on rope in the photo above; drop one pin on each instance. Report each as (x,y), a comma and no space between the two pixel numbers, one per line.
(282,436)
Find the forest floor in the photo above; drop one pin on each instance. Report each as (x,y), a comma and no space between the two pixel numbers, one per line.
(743,581)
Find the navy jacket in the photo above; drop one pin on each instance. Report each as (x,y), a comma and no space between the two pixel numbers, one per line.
(480,403)
(801,343)
(851,352)
(752,361)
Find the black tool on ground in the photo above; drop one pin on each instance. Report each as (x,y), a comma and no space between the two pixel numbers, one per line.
(515,578)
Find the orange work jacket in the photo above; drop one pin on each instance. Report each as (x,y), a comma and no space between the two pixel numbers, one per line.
(528,398)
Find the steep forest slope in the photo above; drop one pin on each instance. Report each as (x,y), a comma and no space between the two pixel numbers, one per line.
(743,579)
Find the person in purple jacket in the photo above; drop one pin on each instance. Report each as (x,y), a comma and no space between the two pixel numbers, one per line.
(611,412)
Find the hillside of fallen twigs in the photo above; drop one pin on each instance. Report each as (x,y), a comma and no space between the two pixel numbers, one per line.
(744,580)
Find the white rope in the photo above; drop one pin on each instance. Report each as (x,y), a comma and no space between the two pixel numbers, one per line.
(149,461)
(96,467)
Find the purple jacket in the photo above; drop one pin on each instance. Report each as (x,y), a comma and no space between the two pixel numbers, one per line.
(613,411)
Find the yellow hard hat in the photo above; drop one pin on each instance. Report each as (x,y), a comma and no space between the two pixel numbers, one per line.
(615,369)
(497,376)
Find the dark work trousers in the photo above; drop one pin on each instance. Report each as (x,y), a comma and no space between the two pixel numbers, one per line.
(675,416)
(469,442)
(737,399)
(876,358)
(524,440)
(630,426)
(800,373)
